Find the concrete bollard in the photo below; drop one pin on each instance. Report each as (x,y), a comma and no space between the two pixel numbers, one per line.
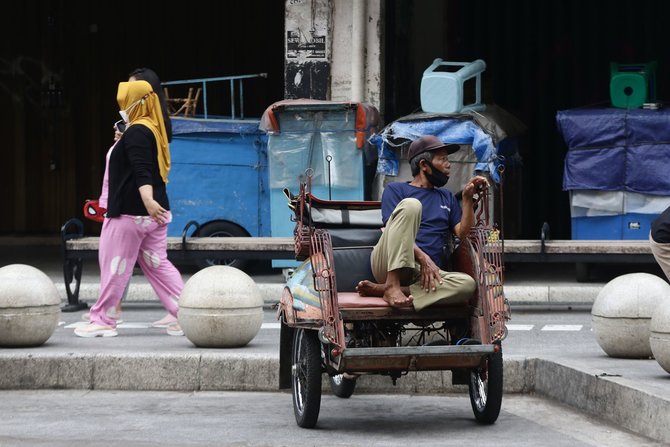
(29,306)
(659,337)
(622,311)
(220,307)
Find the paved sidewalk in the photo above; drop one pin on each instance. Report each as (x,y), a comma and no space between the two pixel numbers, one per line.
(550,284)
(634,394)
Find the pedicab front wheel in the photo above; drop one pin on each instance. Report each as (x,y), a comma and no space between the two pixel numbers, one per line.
(486,388)
(306,377)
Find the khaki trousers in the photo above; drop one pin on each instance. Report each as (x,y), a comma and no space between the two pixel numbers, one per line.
(395,251)
(661,253)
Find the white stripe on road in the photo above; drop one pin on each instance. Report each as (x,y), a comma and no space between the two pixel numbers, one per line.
(520,327)
(135,325)
(510,327)
(142,325)
(562,327)
(129,325)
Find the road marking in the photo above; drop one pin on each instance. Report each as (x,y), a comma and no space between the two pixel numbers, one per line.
(270,326)
(142,325)
(562,327)
(135,325)
(129,325)
(520,327)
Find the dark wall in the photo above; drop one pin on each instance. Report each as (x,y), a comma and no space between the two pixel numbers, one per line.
(541,56)
(61,61)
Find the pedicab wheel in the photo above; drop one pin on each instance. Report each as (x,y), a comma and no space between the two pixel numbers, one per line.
(342,386)
(306,377)
(486,389)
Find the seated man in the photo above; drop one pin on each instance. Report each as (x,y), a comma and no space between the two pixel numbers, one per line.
(418,217)
(659,239)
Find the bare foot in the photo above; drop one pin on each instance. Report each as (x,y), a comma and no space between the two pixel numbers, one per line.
(396,298)
(369,288)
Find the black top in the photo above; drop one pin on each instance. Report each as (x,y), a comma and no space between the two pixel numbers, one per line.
(660,228)
(134,163)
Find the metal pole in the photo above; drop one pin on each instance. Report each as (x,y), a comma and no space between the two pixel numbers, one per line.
(241,100)
(204,97)
(232,99)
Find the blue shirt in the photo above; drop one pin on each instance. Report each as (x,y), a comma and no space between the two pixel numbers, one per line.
(440,214)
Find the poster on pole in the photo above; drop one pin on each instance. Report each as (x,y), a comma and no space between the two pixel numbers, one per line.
(307,55)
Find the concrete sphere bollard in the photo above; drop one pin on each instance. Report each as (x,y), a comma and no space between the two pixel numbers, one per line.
(29,306)
(220,307)
(659,337)
(622,311)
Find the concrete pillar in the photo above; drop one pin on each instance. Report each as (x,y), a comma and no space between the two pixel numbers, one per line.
(358,34)
(346,58)
(323,59)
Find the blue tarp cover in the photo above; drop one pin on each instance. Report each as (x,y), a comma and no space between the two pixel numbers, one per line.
(490,133)
(616,149)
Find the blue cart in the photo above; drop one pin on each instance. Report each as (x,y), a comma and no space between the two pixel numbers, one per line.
(219,173)
(219,178)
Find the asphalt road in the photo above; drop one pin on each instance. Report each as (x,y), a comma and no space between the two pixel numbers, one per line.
(103,419)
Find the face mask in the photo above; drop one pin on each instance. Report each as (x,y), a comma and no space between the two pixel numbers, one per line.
(437,178)
(124,113)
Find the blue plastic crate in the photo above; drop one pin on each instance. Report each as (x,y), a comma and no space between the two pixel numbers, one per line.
(628,226)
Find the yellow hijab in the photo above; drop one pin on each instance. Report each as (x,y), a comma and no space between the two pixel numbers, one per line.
(143,107)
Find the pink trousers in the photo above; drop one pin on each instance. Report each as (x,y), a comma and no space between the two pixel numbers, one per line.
(123,241)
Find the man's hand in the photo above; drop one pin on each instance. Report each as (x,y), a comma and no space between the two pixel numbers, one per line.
(476,184)
(430,273)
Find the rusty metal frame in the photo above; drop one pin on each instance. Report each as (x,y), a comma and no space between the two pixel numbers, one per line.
(323,266)
(488,311)
(488,251)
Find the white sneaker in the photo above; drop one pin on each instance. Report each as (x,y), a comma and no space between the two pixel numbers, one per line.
(95,330)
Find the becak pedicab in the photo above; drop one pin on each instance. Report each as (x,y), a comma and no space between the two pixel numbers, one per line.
(327,327)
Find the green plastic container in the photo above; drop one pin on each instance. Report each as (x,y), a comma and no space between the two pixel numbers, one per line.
(632,85)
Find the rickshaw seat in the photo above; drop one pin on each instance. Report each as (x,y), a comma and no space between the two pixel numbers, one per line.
(352,300)
(352,264)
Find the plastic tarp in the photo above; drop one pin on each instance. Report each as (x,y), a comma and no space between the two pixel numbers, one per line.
(590,203)
(616,149)
(317,135)
(486,133)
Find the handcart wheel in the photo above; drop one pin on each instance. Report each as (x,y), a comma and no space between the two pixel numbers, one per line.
(306,377)
(342,386)
(486,389)
(222,229)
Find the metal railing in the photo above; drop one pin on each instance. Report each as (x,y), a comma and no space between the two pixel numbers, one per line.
(231,79)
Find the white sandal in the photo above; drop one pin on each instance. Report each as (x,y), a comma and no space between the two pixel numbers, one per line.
(166,321)
(175,329)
